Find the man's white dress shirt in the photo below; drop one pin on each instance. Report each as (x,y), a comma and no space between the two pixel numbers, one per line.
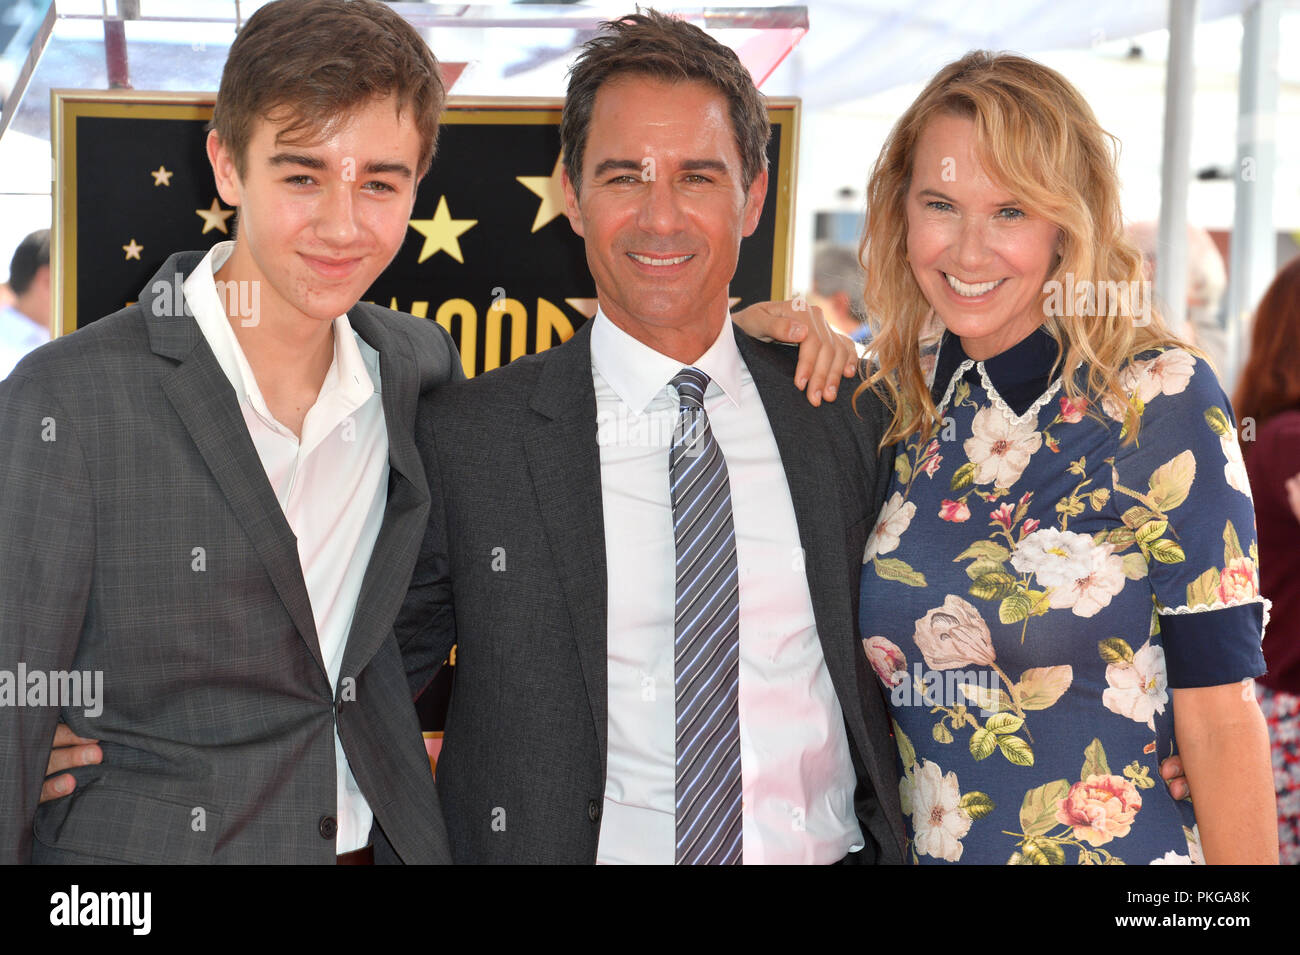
(18,335)
(332,486)
(796,770)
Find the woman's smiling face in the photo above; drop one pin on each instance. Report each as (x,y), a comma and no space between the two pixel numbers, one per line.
(979,257)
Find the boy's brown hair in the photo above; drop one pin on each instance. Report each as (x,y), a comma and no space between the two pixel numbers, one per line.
(314,62)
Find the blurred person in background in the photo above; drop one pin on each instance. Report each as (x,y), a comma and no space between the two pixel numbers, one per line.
(1268,397)
(837,289)
(1207,281)
(25,324)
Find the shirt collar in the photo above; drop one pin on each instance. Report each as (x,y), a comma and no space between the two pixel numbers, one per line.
(1020,374)
(638,373)
(351,376)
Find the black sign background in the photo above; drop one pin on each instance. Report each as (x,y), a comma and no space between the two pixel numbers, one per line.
(109,201)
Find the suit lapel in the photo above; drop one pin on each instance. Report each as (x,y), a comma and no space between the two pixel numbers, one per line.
(798,428)
(407,509)
(203,399)
(564,464)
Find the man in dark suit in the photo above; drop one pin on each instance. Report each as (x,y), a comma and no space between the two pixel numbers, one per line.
(645,541)
(211,502)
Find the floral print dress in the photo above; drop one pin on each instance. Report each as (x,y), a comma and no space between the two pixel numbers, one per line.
(1034,589)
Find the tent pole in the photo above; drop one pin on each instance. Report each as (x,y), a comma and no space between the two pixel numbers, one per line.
(1175,166)
(1252,254)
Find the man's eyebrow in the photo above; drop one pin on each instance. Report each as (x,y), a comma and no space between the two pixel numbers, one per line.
(378,167)
(610,165)
(711,165)
(297,159)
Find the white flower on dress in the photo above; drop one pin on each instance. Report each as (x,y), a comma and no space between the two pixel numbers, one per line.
(1234,471)
(1172,858)
(894,519)
(1081,575)
(938,820)
(1138,689)
(999,448)
(1166,374)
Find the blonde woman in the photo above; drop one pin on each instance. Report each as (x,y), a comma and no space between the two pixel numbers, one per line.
(1063,579)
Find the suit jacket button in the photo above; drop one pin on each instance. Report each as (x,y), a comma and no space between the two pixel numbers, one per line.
(329,827)
(593,810)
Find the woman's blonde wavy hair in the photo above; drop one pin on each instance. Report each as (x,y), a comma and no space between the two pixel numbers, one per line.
(1037,138)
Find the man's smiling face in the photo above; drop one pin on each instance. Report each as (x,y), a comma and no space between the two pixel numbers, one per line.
(662,205)
(319,221)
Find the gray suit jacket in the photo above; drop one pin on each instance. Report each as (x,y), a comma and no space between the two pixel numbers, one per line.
(124,451)
(514,567)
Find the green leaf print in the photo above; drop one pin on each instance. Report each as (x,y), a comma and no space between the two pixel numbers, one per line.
(964,476)
(1115,650)
(1166,552)
(1016,750)
(905,749)
(891,568)
(1038,810)
(1003,723)
(994,585)
(1094,761)
(1218,421)
(1204,590)
(988,549)
(982,744)
(1041,687)
(1231,545)
(904,468)
(977,804)
(1172,481)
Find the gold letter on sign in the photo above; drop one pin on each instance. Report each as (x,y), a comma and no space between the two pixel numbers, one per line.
(553,326)
(514,310)
(468,341)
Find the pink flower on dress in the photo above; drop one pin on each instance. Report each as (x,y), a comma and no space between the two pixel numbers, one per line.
(954,635)
(886,659)
(1003,515)
(1029,526)
(931,466)
(1072,409)
(1100,808)
(955,511)
(1237,581)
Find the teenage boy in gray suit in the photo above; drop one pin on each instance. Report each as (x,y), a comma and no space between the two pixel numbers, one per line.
(211,502)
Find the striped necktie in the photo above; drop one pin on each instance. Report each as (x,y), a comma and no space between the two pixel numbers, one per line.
(707,638)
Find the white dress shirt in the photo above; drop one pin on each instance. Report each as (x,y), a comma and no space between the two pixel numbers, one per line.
(796,771)
(332,486)
(18,335)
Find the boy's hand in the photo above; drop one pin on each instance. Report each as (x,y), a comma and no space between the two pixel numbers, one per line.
(69,750)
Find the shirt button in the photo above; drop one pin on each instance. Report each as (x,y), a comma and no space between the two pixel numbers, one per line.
(593,810)
(329,827)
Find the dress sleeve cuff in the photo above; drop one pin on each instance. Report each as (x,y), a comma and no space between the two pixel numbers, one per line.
(1213,647)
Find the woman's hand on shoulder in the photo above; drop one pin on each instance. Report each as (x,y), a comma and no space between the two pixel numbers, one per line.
(825,355)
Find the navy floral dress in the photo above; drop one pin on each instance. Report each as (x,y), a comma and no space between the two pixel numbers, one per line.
(1034,589)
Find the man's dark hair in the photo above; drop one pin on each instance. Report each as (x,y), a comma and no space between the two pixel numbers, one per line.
(317,60)
(32,253)
(655,45)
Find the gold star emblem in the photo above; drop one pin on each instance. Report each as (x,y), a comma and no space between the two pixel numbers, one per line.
(550,189)
(214,217)
(132,250)
(162,176)
(441,233)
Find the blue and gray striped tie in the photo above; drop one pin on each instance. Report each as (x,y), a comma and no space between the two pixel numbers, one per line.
(707,638)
